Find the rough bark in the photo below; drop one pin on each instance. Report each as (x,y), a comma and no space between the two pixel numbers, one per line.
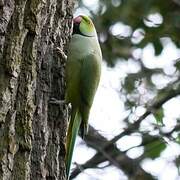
(32,131)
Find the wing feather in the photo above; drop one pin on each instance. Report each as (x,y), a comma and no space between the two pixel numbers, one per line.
(90,76)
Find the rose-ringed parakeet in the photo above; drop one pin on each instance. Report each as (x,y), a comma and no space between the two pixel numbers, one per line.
(83,71)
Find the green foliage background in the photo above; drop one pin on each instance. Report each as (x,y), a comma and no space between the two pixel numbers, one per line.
(137,16)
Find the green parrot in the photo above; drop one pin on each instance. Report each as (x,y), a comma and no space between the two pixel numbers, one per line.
(83,70)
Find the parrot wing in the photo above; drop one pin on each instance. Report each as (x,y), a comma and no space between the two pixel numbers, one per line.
(90,76)
(73,68)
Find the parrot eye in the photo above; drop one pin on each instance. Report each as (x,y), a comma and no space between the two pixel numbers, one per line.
(86,20)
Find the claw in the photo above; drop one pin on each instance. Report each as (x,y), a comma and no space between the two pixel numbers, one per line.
(63,55)
(56,101)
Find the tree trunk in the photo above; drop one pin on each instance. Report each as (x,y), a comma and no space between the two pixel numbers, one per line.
(32,130)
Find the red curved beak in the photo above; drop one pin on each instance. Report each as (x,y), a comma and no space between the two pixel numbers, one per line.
(77,20)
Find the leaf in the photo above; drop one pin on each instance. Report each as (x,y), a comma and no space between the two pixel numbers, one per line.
(178,139)
(177,65)
(157,47)
(154,149)
(130,80)
(159,116)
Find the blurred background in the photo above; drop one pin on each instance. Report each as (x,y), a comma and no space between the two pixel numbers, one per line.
(135,119)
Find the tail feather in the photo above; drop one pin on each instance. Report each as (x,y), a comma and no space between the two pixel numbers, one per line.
(83,130)
(73,129)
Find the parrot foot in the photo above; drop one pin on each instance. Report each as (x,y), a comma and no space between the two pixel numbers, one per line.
(63,55)
(56,101)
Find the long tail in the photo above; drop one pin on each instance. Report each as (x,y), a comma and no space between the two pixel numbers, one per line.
(73,129)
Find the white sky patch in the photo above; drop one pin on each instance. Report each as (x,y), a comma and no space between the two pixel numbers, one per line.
(153,20)
(102,174)
(154,166)
(169,172)
(127,142)
(133,66)
(160,168)
(120,29)
(173,150)
(81,11)
(107,104)
(102,37)
(137,53)
(82,153)
(116,3)
(167,58)
(135,152)
(160,80)
(147,124)
(140,110)
(169,70)
(137,36)
(90,3)
(171,112)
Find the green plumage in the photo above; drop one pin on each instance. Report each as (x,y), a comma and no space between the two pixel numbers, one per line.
(83,71)
(71,138)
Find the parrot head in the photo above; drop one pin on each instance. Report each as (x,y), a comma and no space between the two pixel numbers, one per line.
(83,25)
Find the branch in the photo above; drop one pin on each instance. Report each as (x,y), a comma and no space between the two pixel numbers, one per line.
(177,2)
(107,150)
(162,97)
(113,155)
(116,157)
